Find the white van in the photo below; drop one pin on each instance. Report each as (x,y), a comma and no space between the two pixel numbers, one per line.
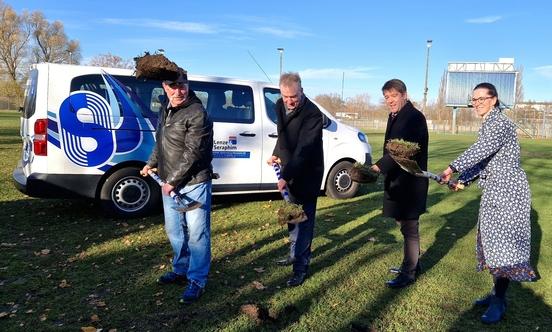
(87,131)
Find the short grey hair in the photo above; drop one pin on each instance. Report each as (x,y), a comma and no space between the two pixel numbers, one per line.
(287,79)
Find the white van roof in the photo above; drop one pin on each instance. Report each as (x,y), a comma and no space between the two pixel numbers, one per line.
(81,70)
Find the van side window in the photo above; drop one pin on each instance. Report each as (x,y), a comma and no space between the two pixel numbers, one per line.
(271,96)
(30,95)
(149,92)
(226,102)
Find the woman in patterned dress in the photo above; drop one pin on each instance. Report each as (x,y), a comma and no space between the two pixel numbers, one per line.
(504,229)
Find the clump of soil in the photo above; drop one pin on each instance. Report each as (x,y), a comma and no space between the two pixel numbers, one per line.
(290,213)
(157,67)
(256,312)
(362,173)
(401,148)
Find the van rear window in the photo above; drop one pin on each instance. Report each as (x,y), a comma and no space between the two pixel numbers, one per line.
(149,92)
(29,105)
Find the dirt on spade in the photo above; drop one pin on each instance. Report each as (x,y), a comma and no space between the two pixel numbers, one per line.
(157,67)
(290,213)
(401,148)
(362,173)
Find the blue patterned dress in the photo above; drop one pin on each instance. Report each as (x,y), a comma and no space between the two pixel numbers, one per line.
(504,228)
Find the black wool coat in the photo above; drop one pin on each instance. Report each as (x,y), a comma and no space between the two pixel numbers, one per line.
(299,146)
(405,195)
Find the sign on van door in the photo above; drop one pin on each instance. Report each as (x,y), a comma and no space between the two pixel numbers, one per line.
(237,141)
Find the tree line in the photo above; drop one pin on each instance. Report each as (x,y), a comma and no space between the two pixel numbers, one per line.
(28,38)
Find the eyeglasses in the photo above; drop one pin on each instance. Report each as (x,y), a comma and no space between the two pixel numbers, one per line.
(480,99)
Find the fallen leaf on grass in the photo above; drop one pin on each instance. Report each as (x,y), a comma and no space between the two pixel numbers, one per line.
(259,269)
(64,284)
(3,314)
(88,329)
(257,285)
(95,318)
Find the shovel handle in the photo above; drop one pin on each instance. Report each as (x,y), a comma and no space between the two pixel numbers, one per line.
(160,182)
(285,192)
(438,178)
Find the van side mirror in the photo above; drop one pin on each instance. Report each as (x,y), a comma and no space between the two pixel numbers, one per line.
(21,109)
(326,122)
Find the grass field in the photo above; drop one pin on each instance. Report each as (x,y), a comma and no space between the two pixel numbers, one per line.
(65,266)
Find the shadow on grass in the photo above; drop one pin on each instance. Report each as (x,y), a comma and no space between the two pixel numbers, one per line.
(325,256)
(460,224)
(526,310)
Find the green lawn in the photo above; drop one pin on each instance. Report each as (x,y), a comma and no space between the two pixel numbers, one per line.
(64,266)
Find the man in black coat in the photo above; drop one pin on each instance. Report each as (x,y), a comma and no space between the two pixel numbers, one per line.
(299,151)
(405,195)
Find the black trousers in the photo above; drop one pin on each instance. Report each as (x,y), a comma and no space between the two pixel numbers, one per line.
(411,248)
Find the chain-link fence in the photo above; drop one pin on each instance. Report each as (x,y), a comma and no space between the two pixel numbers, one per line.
(9,103)
(531,122)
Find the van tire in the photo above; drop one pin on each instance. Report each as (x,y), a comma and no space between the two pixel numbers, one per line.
(127,194)
(339,184)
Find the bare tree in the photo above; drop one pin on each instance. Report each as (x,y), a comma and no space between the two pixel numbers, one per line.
(442,113)
(332,102)
(359,104)
(51,43)
(111,60)
(14,35)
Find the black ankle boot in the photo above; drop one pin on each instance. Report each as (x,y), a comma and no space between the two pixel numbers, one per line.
(402,280)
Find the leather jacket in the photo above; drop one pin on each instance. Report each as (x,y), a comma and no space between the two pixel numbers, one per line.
(184,144)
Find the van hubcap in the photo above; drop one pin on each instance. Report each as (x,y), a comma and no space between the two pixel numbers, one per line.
(130,194)
(342,180)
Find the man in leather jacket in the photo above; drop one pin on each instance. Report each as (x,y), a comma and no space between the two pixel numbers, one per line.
(182,156)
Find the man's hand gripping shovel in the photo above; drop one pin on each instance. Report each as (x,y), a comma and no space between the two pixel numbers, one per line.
(184,203)
(289,213)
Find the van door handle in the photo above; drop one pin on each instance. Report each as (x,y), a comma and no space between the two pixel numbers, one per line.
(273,135)
(247,134)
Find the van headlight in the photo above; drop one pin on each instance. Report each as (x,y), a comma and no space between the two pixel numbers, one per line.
(362,137)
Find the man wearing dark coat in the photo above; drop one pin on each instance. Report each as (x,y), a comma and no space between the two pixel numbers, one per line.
(405,195)
(299,151)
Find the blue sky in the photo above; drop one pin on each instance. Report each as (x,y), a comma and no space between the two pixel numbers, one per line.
(369,41)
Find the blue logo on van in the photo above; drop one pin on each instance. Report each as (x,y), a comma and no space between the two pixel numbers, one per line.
(97,131)
(83,118)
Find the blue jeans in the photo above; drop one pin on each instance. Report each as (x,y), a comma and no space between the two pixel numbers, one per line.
(300,236)
(190,233)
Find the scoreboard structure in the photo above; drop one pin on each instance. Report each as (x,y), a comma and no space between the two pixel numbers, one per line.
(462,77)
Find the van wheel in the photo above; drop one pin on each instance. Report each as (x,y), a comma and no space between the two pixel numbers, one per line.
(127,194)
(339,184)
